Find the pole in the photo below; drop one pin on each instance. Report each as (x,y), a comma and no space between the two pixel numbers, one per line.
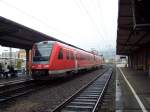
(10,55)
(27,63)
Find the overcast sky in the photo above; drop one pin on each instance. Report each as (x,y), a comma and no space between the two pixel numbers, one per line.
(83,23)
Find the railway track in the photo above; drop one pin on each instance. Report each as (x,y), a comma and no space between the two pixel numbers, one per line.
(88,98)
(12,91)
(12,82)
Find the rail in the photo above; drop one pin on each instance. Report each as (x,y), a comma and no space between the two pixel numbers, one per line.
(87,98)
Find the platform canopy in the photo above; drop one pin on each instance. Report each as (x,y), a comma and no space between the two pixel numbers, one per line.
(133,26)
(16,35)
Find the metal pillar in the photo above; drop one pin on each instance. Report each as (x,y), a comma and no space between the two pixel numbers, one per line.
(132,61)
(129,61)
(27,62)
(145,59)
(133,14)
(10,56)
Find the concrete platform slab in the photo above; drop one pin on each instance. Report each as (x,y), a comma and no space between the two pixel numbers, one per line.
(140,82)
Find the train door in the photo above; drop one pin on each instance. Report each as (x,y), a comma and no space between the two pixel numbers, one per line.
(76,61)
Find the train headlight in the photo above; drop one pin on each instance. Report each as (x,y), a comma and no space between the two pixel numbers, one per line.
(46,66)
(33,66)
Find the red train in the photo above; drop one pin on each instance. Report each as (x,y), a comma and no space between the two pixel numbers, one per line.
(55,59)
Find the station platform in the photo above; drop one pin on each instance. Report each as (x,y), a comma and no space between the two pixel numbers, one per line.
(18,79)
(132,90)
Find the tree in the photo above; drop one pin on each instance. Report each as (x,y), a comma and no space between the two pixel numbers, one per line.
(19,63)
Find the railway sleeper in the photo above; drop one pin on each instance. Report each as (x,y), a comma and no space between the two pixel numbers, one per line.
(86,100)
(85,97)
(79,108)
(82,103)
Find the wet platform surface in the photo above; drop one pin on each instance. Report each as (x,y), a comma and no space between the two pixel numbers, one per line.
(126,100)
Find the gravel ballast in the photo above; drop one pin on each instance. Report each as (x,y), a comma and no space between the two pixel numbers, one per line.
(51,96)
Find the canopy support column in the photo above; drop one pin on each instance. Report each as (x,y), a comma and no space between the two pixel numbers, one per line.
(27,62)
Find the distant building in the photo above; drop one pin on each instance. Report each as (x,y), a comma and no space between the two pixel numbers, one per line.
(121,61)
(22,54)
(22,57)
(7,54)
(9,57)
(1,58)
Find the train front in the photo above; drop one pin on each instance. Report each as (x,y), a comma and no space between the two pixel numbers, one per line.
(41,53)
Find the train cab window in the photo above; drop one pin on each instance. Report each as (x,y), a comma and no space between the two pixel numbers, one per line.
(60,55)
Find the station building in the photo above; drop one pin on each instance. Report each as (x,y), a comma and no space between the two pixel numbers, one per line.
(133,35)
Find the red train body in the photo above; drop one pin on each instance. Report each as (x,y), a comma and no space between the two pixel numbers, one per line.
(54,59)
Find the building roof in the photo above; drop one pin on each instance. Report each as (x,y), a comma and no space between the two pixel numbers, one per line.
(133,25)
(16,35)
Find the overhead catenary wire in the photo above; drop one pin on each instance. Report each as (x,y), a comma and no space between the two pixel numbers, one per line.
(103,30)
(102,23)
(99,25)
(107,46)
(83,8)
(83,11)
(92,21)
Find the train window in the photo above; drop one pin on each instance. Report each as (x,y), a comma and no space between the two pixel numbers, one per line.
(81,57)
(67,54)
(76,56)
(60,55)
(72,56)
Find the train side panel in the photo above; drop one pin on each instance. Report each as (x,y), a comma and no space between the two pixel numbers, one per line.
(65,59)
(62,60)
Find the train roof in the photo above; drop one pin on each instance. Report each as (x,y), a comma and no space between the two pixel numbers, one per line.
(70,45)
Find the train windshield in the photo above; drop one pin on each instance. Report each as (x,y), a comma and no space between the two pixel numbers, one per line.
(42,52)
